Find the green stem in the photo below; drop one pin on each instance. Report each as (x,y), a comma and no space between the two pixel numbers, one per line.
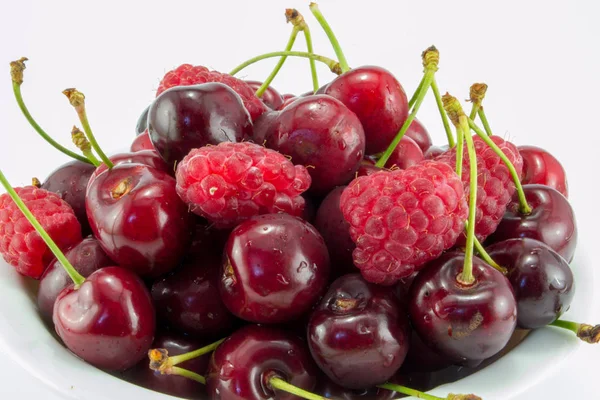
(275,71)
(586,332)
(314,8)
(466,277)
(39,130)
(90,135)
(485,256)
(460,148)
(280,384)
(412,100)
(174,360)
(428,78)
(187,374)
(524,207)
(484,121)
(408,391)
(568,325)
(333,65)
(438,100)
(474,110)
(77,278)
(90,156)
(313,66)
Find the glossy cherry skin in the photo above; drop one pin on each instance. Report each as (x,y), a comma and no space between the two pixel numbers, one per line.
(270,97)
(552,221)
(146,157)
(322,134)
(86,257)
(358,335)
(336,232)
(263,126)
(138,218)
(465,323)
(377,99)
(142,122)
(406,154)
(275,267)
(69,181)
(543,168)
(542,280)
(433,151)
(287,102)
(188,299)
(417,132)
(109,321)
(173,385)
(142,142)
(241,367)
(422,358)
(187,117)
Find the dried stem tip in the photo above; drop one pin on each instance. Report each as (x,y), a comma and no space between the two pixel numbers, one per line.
(477,92)
(463,397)
(159,360)
(80,140)
(453,108)
(16,70)
(588,333)
(292,15)
(76,98)
(36,182)
(431,58)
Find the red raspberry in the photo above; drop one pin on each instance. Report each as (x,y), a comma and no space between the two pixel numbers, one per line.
(495,186)
(187,74)
(399,220)
(231,182)
(21,246)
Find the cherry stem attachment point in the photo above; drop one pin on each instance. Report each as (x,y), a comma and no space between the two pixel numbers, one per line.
(333,65)
(160,360)
(77,278)
(438,101)
(585,332)
(524,206)
(314,9)
(81,142)
(421,395)
(16,73)
(277,383)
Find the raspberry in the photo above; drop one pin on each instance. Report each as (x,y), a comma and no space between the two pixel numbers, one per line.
(232,182)
(187,74)
(495,186)
(399,220)
(20,244)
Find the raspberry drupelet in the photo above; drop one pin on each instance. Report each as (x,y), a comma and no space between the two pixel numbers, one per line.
(20,244)
(187,74)
(400,220)
(232,182)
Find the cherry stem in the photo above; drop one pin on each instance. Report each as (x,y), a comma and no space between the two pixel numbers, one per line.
(174,360)
(81,142)
(412,100)
(524,207)
(314,9)
(313,66)
(161,362)
(280,384)
(585,332)
(459,151)
(421,395)
(16,72)
(430,62)
(186,374)
(333,65)
(77,278)
(476,96)
(484,121)
(485,256)
(77,100)
(438,101)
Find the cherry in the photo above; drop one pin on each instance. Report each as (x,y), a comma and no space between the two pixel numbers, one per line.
(367,168)
(287,96)
(336,232)
(70,181)
(139,219)
(188,299)
(357,334)
(270,97)
(287,102)
(406,154)
(417,132)
(464,322)
(378,100)
(263,126)
(142,142)
(542,280)
(244,365)
(275,268)
(187,117)
(108,320)
(433,151)
(206,241)
(87,256)
(543,168)
(310,209)
(552,221)
(142,122)
(146,157)
(422,358)
(320,133)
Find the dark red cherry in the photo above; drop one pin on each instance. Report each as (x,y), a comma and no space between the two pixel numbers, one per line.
(433,151)
(287,102)
(86,257)
(142,122)
(242,366)
(422,358)
(108,321)
(330,390)
(336,232)
(187,117)
(322,134)
(146,157)
(270,97)
(552,221)
(543,168)
(142,142)
(366,169)
(138,218)
(377,99)
(275,268)
(358,335)
(206,241)
(70,181)
(417,132)
(188,299)
(542,280)
(406,154)
(263,126)
(173,385)
(465,323)
(310,209)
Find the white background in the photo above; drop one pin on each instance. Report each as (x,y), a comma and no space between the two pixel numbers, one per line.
(538,57)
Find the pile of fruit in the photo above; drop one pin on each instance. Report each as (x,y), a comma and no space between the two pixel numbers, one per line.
(254,245)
